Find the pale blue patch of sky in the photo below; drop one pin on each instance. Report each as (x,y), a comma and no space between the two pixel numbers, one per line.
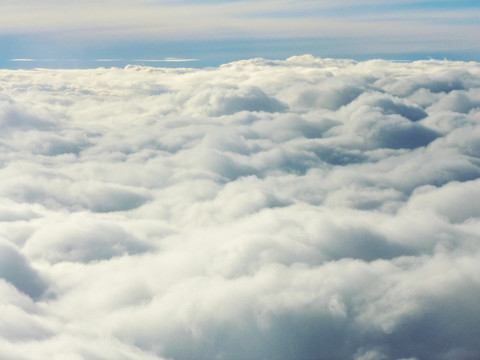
(386,8)
(208,52)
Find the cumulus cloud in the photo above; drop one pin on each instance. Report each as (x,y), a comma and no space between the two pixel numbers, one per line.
(15,269)
(299,209)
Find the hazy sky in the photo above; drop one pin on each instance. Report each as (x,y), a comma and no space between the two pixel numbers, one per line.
(213,31)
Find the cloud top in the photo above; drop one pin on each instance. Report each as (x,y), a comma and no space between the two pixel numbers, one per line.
(300,209)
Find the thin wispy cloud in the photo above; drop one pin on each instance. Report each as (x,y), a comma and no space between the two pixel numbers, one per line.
(22,60)
(108,60)
(165,60)
(231,19)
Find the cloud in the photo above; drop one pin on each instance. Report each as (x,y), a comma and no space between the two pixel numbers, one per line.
(14,117)
(15,269)
(406,26)
(156,60)
(228,100)
(81,240)
(264,209)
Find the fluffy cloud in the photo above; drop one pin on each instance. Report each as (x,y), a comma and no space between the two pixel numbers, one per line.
(299,209)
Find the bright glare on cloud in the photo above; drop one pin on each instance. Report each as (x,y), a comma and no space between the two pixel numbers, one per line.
(299,209)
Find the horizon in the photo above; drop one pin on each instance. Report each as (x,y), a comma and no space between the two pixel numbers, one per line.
(76,34)
(198,63)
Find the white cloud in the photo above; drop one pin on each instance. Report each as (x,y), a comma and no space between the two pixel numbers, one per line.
(15,269)
(399,26)
(262,210)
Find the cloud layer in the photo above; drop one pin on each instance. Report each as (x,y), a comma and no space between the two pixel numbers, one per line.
(300,209)
(404,25)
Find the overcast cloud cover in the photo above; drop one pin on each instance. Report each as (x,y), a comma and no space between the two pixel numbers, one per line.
(300,209)
(448,20)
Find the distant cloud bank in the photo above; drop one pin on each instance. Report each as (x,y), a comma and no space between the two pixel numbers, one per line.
(301,209)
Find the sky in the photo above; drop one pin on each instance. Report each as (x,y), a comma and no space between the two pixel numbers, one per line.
(306,208)
(55,33)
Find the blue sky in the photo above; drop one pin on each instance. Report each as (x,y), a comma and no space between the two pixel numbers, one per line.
(54,33)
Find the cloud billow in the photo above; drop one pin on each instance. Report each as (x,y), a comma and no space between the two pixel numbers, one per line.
(298,209)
